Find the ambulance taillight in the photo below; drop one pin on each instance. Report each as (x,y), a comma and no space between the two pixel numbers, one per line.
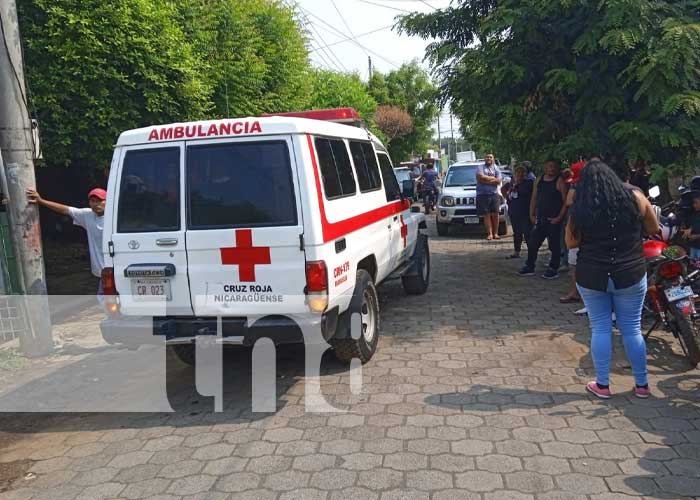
(109,290)
(317,286)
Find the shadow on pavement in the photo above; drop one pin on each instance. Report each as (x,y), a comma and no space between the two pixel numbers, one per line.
(665,422)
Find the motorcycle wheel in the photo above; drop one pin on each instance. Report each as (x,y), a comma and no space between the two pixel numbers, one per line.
(687,335)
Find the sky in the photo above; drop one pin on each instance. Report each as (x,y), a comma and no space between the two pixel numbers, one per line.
(333,24)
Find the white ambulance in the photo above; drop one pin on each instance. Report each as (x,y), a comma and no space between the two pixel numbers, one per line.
(238,227)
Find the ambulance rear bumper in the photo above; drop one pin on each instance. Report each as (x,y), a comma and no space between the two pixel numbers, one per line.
(133,331)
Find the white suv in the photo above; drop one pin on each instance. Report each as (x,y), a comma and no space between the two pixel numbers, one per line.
(457,202)
(247,225)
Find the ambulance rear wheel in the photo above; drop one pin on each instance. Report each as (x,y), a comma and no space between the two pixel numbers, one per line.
(184,353)
(364,304)
(417,282)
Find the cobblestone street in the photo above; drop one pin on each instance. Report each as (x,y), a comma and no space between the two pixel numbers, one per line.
(476,392)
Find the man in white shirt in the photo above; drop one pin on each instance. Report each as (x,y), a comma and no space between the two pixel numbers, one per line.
(91,219)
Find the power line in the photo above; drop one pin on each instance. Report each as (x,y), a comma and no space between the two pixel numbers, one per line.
(361,35)
(342,18)
(386,6)
(335,31)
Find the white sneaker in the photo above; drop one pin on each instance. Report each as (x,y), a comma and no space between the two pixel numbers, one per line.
(581,311)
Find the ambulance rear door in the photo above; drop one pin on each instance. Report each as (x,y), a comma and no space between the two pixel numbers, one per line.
(244,227)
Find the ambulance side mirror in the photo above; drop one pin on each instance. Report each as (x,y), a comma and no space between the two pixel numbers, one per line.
(407,189)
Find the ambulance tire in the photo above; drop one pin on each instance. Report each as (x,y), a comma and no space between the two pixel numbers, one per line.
(364,302)
(185,354)
(417,283)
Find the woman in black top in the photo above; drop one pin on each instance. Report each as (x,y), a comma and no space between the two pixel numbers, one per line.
(518,193)
(606,224)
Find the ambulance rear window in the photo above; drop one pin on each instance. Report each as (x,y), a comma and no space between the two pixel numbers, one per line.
(244,184)
(149,194)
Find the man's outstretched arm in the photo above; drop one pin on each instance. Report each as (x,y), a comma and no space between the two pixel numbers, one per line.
(35,197)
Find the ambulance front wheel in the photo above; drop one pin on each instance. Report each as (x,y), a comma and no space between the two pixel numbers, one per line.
(364,323)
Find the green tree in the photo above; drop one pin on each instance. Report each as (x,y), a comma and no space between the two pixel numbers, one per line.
(410,89)
(568,77)
(331,89)
(97,68)
(254,52)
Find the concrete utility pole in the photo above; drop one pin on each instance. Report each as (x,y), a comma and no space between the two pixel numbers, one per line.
(369,58)
(16,144)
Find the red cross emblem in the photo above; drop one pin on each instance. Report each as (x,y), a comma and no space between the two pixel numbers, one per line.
(404,232)
(245,255)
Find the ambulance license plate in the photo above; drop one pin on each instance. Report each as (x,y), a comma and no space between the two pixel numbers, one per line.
(471,220)
(678,293)
(150,288)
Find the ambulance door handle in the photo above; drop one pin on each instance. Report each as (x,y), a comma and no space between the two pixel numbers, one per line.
(166,242)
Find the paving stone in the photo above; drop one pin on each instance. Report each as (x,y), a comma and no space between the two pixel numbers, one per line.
(681,467)
(51,465)
(137,473)
(354,494)
(563,450)
(406,461)
(455,494)
(163,443)
(145,489)
(581,483)
(304,494)
(269,464)
(101,491)
(578,436)
(429,480)
(238,481)
(361,461)
(517,448)
(192,484)
(181,469)
(404,495)
(608,451)
(340,447)
(380,479)
(452,463)
(680,485)
(258,495)
(595,467)
(225,466)
(429,446)
(333,479)
(213,451)
(498,463)
(286,481)
(479,481)
(283,435)
(314,463)
(529,482)
(383,446)
(507,495)
(546,465)
(533,435)
(633,485)
(131,459)
(472,447)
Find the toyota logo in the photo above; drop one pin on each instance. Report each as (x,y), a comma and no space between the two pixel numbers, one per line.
(134,245)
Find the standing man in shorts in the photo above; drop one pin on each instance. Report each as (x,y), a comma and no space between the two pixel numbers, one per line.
(488,178)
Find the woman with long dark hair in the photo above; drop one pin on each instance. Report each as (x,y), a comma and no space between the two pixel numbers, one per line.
(607,222)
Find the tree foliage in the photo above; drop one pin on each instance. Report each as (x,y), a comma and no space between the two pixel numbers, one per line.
(254,54)
(393,122)
(330,89)
(564,78)
(410,89)
(97,68)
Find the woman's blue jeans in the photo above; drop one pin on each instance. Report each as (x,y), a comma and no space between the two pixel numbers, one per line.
(627,304)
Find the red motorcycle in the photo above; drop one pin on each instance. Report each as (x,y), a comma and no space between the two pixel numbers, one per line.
(670,297)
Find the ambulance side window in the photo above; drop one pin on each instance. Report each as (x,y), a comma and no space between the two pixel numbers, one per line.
(391,184)
(365,166)
(336,171)
(149,194)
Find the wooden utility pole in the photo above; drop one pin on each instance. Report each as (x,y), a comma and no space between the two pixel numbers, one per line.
(17,147)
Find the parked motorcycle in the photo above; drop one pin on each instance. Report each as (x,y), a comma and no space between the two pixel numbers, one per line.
(670,296)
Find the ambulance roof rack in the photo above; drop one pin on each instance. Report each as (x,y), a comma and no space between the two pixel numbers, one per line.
(347,116)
